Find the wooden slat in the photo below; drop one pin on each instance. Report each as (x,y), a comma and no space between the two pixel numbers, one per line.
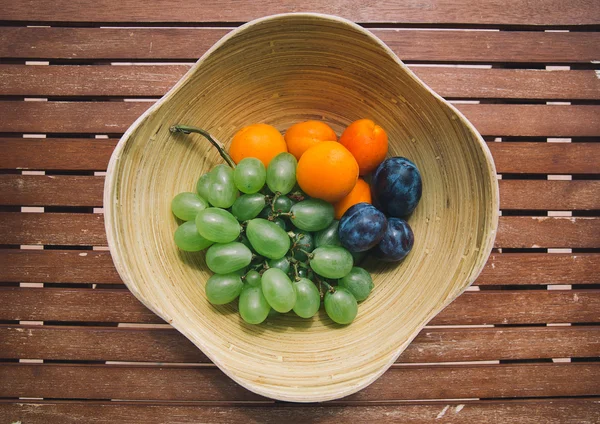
(471,308)
(548,411)
(168,345)
(68,190)
(509,12)
(88,229)
(149,81)
(398,383)
(190,43)
(116,117)
(82,154)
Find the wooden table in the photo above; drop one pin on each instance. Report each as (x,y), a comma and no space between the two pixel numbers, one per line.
(522,345)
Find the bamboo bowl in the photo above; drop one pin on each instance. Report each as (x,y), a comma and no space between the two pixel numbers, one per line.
(281,70)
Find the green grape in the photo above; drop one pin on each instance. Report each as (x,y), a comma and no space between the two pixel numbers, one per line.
(359,256)
(241,271)
(278,290)
(304,272)
(283,204)
(249,175)
(281,173)
(341,306)
(281,223)
(308,299)
(281,263)
(187,238)
(331,261)
(227,258)
(217,225)
(329,236)
(223,288)
(186,206)
(248,206)
(273,313)
(312,214)
(358,282)
(244,240)
(253,278)
(265,213)
(305,241)
(203,186)
(253,306)
(223,191)
(267,238)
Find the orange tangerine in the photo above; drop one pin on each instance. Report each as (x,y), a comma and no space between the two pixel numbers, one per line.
(368,143)
(360,193)
(303,135)
(260,141)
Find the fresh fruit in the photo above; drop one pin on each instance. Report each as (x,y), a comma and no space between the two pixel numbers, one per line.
(261,141)
(188,239)
(327,171)
(367,142)
(359,194)
(278,290)
(223,288)
(328,236)
(185,206)
(396,187)
(281,263)
(217,225)
(308,299)
(396,243)
(283,204)
(248,206)
(303,135)
(331,261)
(203,186)
(358,282)
(267,238)
(281,173)
(223,191)
(341,306)
(312,214)
(227,258)
(362,227)
(253,278)
(250,175)
(304,243)
(253,306)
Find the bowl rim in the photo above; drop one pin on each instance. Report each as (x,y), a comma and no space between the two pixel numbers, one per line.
(123,271)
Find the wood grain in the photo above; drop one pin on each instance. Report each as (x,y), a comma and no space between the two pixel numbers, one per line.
(167,345)
(85,229)
(410,45)
(471,308)
(68,266)
(511,12)
(68,190)
(549,411)
(185,383)
(150,81)
(81,154)
(116,117)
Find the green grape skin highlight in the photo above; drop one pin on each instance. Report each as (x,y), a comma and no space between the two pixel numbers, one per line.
(308,299)
(283,204)
(248,206)
(223,191)
(186,206)
(253,278)
(253,305)
(227,258)
(331,261)
(250,175)
(328,236)
(281,173)
(217,225)
(267,238)
(341,306)
(358,282)
(223,288)
(188,239)
(278,290)
(312,214)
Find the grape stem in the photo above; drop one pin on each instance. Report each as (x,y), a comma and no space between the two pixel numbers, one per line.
(186,129)
(307,253)
(275,197)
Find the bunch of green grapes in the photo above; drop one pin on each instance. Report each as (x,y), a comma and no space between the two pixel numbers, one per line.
(270,245)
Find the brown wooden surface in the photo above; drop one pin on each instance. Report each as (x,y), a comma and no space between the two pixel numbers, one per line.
(550,411)
(84,299)
(472,308)
(151,81)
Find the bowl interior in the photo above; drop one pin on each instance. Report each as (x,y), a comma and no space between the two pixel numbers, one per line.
(282,70)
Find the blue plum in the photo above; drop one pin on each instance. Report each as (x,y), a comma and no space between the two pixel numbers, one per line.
(361,227)
(396,187)
(396,243)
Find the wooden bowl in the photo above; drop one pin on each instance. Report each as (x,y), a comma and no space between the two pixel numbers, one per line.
(281,70)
